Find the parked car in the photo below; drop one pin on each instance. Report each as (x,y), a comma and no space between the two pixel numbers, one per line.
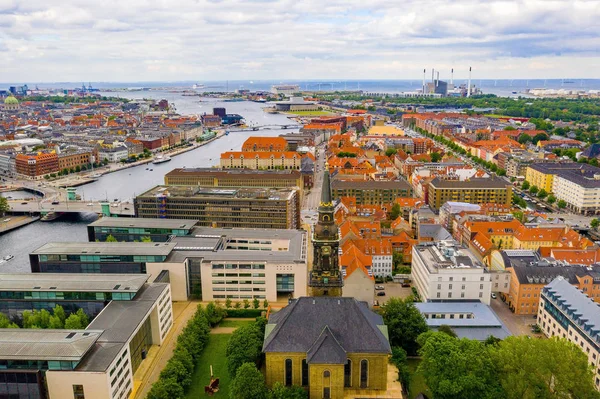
(23,203)
(406,284)
(379,287)
(55,202)
(381,293)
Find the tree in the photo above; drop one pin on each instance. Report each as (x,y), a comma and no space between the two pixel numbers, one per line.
(562,204)
(533,190)
(265,304)
(524,139)
(255,303)
(166,389)
(395,212)
(435,157)
(246,303)
(390,151)
(77,320)
(248,383)
(397,260)
(111,238)
(542,368)
(146,239)
(539,137)
(399,360)
(542,194)
(405,323)
(594,223)
(280,391)
(245,345)
(457,368)
(525,185)
(214,313)
(446,329)
(4,207)
(228,303)
(551,199)
(6,323)
(237,305)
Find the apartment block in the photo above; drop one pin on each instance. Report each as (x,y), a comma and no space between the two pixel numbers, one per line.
(473,191)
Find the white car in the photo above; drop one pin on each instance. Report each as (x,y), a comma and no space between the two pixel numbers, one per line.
(379,287)
(90,204)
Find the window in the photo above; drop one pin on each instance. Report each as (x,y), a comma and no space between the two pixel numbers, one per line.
(78,392)
(304,373)
(449,286)
(288,372)
(348,373)
(326,384)
(364,373)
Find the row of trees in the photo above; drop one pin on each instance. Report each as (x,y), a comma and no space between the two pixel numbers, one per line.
(111,238)
(229,304)
(57,319)
(176,377)
(515,368)
(76,169)
(542,194)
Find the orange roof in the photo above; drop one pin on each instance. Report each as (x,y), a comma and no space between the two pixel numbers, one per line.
(481,243)
(264,143)
(409,202)
(576,256)
(324,126)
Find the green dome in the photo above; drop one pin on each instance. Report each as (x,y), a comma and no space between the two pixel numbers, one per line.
(11,100)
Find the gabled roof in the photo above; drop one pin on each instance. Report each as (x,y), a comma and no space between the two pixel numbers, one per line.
(297,327)
(326,350)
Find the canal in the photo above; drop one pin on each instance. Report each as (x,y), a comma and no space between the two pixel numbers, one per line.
(127,183)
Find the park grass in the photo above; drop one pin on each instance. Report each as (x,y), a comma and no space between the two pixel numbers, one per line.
(310,113)
(213,354)
(235,323)
(417,380)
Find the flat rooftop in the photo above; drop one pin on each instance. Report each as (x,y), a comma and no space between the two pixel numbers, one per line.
(481,323)
(67,282)
(489,183)
(446,254)
(145,223)
(105,248)
(286,173)
(117,322)
(219,193)
(339,183)
(37,344)
(211,245)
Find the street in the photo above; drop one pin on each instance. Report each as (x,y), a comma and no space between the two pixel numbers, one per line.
(516,324)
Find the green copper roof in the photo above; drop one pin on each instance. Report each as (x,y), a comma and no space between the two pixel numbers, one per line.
(326,189)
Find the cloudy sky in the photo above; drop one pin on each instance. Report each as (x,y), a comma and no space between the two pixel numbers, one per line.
(136,40)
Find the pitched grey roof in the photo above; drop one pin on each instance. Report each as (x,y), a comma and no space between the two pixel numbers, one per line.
(318,324)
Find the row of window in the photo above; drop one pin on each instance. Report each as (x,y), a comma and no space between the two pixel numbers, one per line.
(364,375)
(243,266)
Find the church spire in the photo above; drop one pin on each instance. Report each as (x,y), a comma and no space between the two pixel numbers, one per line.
(326,189)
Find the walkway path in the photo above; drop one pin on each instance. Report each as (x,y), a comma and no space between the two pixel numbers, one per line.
(158,357)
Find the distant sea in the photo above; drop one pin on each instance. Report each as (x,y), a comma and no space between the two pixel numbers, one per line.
(500,87)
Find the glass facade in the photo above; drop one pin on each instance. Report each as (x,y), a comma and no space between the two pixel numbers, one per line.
(195,278)
(285,283)
(131,234)
(140,344)
(16,308)
(21,385)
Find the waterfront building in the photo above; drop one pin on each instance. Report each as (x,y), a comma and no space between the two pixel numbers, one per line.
(220,207)
(296,104)
(473,191)
(98,362)
(113,153)
(137,229)
(261,160)
(370,192)
(97,257)
(566,312)
(237,264)
(445,270)
(325,277)
(29,291)
(268,144)
(36,165)
(71,160)
(334,347)
(468,319)
(211,120)
(286,90)
(217,177)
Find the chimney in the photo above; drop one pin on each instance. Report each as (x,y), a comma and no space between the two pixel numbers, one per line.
(432,75)
(469,85)
(424,72)
(452,76)
(437,82)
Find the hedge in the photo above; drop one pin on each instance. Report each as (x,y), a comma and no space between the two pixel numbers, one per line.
(244,312)
(176,377)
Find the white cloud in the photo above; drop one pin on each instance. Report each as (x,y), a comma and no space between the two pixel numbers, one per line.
(137,40)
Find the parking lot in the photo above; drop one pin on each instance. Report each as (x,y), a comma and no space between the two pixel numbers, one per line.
(392,290)
(516,324)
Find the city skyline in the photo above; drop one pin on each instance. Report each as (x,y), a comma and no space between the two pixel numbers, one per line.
(270,40)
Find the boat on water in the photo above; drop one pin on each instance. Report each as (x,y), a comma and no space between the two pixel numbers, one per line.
(514,92)
(161,159)
(96,175)
(8,257)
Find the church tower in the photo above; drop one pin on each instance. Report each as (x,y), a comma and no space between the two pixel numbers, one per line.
(325,277)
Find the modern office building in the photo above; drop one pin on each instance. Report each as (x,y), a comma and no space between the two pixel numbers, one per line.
(216,177)
(32,291)
(468,319)
(97,257)
(96,363)
(220,207)
(492,190)
(567,313)
(237,264)
(445,270)
(370,192)
(138,229)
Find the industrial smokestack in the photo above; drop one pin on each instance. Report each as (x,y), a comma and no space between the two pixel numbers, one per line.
(432,75)
(469,85)
(424,72)
(437,82)
(452,76)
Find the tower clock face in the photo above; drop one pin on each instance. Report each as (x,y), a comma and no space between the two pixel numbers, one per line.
(326,250)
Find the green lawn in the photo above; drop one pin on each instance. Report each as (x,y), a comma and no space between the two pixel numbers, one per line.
(310,113)
(213,354)
(417,381)
(235,323)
